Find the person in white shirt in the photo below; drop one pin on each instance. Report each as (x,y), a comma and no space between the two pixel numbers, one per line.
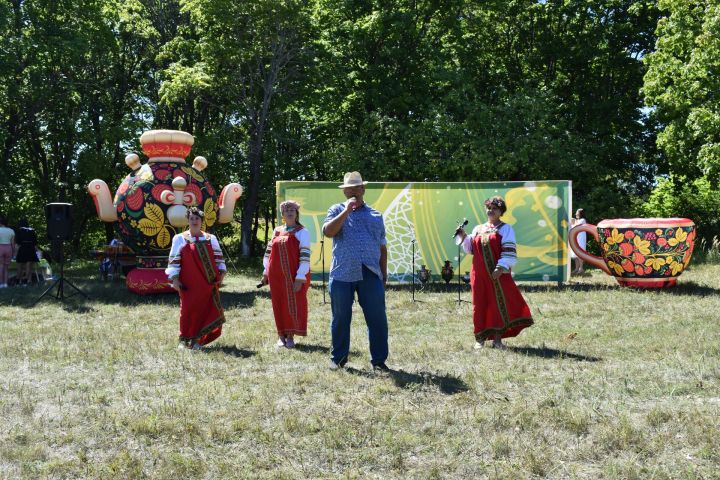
(287,269)
(196,269)
(581,240)
(499,310)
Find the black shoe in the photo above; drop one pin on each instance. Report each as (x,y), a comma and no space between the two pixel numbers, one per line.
(380,367)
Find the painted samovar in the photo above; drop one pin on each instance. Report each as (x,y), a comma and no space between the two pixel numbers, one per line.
(150,204)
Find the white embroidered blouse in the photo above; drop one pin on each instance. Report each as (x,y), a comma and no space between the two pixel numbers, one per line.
(508,248)
(182,239)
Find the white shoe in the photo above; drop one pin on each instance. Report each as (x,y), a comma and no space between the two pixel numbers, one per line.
(3,285)
(334,366)
(182,346)
(479,345)
(280,342)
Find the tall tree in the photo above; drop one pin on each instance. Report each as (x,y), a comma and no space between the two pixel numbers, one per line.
(251,57)
(682,85)
(75,95)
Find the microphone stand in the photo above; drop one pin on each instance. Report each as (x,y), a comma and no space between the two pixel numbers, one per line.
(413,269)
(322,257)
(459,283)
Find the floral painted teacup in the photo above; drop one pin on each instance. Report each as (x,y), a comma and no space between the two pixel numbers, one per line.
(640,252)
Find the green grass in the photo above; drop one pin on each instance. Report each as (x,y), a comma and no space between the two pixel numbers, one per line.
(609,383)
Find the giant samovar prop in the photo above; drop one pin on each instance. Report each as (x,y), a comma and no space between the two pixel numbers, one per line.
(150,204)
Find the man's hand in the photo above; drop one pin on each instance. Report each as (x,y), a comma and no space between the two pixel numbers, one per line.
(497,273)
(264,280)
(298,285)
(351,204)
(176,284)
(220,277)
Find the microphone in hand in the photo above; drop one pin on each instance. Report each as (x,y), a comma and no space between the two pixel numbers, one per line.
(352,202)
(458,232)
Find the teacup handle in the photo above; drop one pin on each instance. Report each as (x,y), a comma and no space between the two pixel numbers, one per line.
(583,254)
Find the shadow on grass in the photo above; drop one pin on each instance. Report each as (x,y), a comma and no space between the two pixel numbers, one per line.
(116,293)
(568,287)
(242,299)
(75,307)
(434,287)
(545,352)
(232,351)
(310,348)
(690,289)
(447,384)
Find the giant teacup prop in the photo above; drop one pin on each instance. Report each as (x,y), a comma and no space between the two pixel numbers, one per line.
(640,252)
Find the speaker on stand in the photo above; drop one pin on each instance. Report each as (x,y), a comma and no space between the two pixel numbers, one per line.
(59,229)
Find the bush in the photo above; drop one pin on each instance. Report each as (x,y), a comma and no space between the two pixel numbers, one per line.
(697,200)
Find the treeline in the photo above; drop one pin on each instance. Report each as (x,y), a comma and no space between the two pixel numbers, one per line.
(449,90)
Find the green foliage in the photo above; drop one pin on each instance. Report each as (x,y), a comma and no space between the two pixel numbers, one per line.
(681,84)
(75,99)
(462,90)
(697,200)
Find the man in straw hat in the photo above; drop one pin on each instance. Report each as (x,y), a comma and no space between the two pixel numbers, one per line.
(359,264)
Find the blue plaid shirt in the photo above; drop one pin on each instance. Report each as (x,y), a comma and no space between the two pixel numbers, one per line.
(357,243)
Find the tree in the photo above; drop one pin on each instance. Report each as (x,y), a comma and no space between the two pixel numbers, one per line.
(682,85)
(478,90)
(75,81)
(251,58)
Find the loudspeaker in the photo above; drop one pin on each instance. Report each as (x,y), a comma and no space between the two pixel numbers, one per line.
(59,221)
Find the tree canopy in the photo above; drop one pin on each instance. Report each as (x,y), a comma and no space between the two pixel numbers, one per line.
(682,84)
(453,90)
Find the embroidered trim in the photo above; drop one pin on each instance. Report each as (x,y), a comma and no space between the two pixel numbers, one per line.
(490,264)
(205,260)
(288,276)
(489,333)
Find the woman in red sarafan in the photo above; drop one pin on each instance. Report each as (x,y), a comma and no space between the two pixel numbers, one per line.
(287,270)
(196,269)
(499,310)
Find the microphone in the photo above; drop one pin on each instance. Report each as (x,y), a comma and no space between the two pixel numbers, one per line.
(456,235)
(460,226)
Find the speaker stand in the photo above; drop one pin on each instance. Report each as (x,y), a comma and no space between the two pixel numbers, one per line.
(60,284)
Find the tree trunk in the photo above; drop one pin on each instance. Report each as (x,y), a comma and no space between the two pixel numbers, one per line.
(251,201)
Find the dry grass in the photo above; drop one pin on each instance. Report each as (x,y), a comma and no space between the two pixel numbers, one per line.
(609,383)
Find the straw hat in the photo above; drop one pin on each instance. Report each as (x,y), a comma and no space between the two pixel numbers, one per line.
(352,179)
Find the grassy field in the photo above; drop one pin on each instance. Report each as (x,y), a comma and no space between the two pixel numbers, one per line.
(609,383)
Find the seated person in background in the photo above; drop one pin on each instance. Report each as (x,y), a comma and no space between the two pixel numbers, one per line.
(110,262)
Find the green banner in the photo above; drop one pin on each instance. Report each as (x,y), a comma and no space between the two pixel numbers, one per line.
(429,212)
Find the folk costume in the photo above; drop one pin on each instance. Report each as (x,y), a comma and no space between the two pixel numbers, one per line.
(287,258)
(198,262)
(498,305)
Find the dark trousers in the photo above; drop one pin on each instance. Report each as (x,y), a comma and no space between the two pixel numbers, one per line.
(371,295)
